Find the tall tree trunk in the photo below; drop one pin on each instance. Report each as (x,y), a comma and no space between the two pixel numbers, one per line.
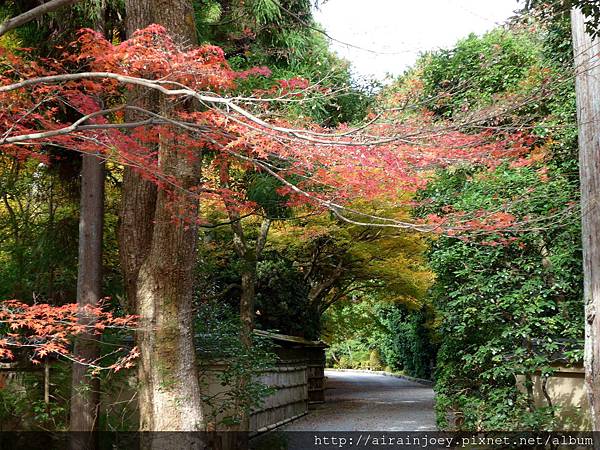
(159,257)
(50,230)
(587,63)
(85,392)
(249,273)
(248,304)
(250,257)
(139,195)
(247,300)
(247,297)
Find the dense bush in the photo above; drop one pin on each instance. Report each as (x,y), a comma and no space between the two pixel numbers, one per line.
(408,342)
(282,299)
(477,68)
(509,306)
(281,293)
(505,310)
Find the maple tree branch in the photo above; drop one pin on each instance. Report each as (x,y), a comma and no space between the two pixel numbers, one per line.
(184,91)
(228,104)
(336,208)
(23,117)
(313,263)
(229,222)
(32,14)
(78,125)
(75,126)
(331,139)
(320,290)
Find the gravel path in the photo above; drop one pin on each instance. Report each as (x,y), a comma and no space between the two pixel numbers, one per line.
(363,401)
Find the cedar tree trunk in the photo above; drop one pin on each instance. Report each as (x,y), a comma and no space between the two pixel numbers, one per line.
(158,256)
(587,64)
(84,391)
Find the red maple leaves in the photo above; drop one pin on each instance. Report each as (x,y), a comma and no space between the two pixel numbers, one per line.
(88,112)
(49,330)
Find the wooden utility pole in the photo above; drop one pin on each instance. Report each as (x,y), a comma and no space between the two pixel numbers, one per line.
(587,67)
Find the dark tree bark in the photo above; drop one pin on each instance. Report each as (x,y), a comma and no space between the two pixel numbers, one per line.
(158,257)
(251,256)
(319,290)
(587,63)
(85,392)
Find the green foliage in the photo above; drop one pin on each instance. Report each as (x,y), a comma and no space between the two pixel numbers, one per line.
(408,343)
(506,310)
(262,189)
(282,298)
(24,35)
(22,405)
(282,35)
(351,329)
(281,293)
(39,227)
(374,334)
(266,11)
(561,9)
(60,26)
(13,404)
(559,125)
(37,222)
(352,261)
(477,68)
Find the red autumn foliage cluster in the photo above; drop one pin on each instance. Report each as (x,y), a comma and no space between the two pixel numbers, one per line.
(49,330)
(383,159)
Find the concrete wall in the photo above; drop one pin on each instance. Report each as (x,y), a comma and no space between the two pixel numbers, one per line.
(566,390)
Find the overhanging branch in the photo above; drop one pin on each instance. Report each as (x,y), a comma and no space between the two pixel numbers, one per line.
(33,14)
